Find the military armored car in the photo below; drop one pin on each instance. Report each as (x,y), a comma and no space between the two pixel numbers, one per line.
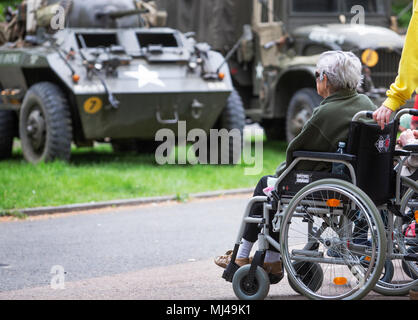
(273,47)
(106,70)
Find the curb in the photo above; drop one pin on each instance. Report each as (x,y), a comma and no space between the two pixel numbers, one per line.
(127,202)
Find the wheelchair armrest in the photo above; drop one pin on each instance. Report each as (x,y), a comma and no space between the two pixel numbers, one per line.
(324,155)
(411,147)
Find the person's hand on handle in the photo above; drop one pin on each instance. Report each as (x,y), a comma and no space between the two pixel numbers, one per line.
(382,116)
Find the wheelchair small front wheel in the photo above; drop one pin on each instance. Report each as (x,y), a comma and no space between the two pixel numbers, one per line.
(247,289)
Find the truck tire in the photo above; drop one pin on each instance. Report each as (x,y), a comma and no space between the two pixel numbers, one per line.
(300,109)
(8,130)
(231,118)
(45,124)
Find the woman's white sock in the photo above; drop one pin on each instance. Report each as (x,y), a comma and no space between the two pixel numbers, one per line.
(272,256)
(245,249)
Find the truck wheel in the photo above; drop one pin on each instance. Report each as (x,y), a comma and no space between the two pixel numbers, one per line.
(300,109)
(231,118)
(8,130)
(45,124)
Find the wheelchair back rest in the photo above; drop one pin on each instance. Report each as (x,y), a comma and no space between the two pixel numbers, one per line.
(374,149)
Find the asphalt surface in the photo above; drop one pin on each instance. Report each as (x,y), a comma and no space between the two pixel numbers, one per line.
(150,252)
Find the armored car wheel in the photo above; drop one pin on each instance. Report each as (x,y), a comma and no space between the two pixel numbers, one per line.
(246,288)
(8,129)
(45,124)
(232,119)
(300,109)
(333,224)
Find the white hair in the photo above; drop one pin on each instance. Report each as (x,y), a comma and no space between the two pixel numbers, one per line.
(343,69)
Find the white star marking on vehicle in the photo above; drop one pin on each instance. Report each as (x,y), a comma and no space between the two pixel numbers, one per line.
(145,77)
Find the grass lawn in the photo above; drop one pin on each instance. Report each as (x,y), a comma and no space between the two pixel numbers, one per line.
(98,174)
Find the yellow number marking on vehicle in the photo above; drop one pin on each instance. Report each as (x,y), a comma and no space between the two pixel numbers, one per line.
(370,58)
(93,105)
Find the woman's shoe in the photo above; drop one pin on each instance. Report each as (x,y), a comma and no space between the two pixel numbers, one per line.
(275,268)
(224,260)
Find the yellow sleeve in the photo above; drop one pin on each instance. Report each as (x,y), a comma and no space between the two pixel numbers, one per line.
(407,80)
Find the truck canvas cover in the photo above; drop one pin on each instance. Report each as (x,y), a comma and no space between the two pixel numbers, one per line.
(217,22)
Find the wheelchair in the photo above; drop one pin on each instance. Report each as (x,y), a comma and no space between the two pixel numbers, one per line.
(341,235)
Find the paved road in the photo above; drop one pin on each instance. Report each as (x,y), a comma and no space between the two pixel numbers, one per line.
(162,251)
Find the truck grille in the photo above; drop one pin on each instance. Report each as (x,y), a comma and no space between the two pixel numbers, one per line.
(386,70)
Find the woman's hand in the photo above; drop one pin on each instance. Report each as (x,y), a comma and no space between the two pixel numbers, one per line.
(382,116)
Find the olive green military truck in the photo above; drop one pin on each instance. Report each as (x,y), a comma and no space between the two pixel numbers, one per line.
(272,48)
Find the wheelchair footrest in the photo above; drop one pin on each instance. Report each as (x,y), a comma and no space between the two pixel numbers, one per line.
(411,257)
(230,270)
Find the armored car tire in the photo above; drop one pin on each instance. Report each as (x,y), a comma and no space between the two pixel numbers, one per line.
(232,118)
(335,225)
(300,109)
(45,124)
(8,129)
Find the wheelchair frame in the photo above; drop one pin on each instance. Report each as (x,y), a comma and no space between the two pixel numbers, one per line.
(381,248)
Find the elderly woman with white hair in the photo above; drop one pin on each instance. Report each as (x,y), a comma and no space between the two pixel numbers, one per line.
(338,75)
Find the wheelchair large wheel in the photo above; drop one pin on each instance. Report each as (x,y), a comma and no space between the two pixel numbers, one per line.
(247,289)
(405,272)
(335,225)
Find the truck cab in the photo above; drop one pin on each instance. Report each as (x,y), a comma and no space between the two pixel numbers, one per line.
(290,35)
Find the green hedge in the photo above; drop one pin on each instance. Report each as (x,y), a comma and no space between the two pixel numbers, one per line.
(404,20)
(4,4)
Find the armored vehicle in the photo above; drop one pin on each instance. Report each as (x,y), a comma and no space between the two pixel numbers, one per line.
(273,47)
(107,71)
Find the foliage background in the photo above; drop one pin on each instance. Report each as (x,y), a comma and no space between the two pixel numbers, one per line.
(4,4)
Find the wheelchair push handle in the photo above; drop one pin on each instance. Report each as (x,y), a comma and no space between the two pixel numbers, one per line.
(399,114)
(363,114)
